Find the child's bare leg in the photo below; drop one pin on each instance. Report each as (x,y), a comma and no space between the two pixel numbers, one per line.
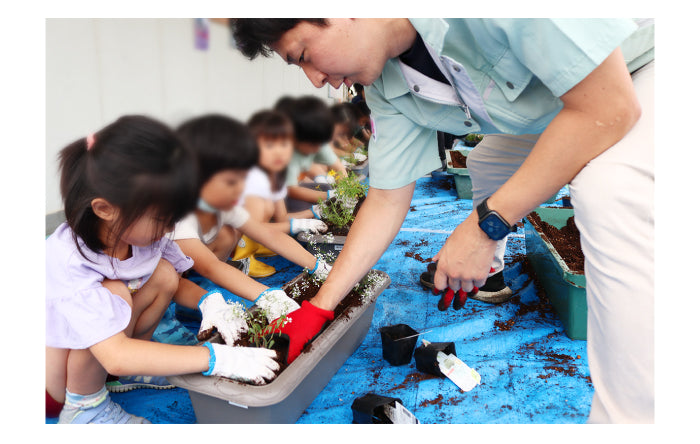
(56,369)
(151,300)
(225,242)
(85,374)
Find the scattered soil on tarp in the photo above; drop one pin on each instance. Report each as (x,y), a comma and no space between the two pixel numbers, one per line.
(414,378)
(566,240)
(459,160)
(542,305)
(344,230)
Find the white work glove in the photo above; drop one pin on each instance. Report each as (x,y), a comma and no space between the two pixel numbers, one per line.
(325,178)
(348,202)
(275,303)
(229,319)
(307,225)
(316,211)
(321,270)
(330,194)
(247,364)
(360,157)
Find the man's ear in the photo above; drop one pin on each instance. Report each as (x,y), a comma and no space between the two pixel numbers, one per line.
(103,209)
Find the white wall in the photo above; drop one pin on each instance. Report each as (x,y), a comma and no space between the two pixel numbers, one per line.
(100,69)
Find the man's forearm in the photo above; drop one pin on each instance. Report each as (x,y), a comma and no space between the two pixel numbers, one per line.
(379,219)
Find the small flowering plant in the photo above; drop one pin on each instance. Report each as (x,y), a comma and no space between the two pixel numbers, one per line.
(340,210)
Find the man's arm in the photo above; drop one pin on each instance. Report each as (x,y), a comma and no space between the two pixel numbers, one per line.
(379,219)
(598,112)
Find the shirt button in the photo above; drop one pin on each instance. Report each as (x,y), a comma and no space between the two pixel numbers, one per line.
(467,123)
(416,88)
(456,68)
(509,85)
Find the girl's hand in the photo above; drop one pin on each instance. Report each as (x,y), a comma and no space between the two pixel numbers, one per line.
(247,364)
(275,303)
(465,259)
(229,319)
(307,225)
(321,270)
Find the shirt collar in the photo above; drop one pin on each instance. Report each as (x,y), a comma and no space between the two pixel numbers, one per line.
(433,33)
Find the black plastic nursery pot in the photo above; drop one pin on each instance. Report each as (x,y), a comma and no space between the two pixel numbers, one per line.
(218,400)
(426,356)
(369,409)
(398,342)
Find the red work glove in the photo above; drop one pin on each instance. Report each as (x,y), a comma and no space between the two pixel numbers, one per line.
(302,325)
(459,301)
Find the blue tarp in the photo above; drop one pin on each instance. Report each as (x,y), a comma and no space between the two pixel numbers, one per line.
(531,372)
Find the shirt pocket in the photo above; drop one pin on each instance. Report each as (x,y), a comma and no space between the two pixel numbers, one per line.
(511,76)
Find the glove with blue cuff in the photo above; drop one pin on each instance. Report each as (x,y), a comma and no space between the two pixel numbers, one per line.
(229,319)
(307,225)
(321,270)
(275,303)
(247,364)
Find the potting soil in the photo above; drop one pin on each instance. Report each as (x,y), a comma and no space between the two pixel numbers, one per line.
(531,372)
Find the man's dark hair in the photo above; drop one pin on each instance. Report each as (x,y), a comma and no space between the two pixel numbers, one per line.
(255,36)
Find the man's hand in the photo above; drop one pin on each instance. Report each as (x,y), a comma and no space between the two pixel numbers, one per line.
(465,259)
(302,325)
(229,319)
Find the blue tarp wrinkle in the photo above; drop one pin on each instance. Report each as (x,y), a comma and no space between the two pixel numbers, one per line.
(531,372)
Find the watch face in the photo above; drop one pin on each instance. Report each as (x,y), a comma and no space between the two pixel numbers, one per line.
(494,227)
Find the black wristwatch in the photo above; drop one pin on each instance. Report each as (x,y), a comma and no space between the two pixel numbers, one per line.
(493,224)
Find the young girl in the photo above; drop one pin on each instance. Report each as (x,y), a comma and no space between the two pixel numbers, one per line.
(110,274)
(265,190)
(226,151)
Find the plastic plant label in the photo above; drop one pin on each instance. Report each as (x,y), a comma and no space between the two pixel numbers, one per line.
(460,373)
(399,414)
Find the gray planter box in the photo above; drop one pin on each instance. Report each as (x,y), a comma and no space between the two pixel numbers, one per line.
(327,245)
(218,400)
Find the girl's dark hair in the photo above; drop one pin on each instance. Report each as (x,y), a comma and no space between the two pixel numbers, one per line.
(136,164)
(311,117)
(219,143)
(271,124)
(255,36)
(346,114)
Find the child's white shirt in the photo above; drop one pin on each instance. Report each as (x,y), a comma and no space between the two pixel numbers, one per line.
(189,228)
(258,184)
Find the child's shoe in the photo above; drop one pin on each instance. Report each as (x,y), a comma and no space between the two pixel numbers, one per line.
(245,248)
(241,264)
(260,269)
(127,383)
(97,408)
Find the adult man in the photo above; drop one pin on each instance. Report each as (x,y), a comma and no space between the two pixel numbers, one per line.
(560,106)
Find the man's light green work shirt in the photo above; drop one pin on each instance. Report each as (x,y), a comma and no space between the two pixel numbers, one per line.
(300,163)
(506,77)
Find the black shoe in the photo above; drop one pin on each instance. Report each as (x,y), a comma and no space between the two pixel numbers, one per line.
(494,291)
(241,264)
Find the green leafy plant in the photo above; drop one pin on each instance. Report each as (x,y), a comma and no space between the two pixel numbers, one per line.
(260,333)
(339,211)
